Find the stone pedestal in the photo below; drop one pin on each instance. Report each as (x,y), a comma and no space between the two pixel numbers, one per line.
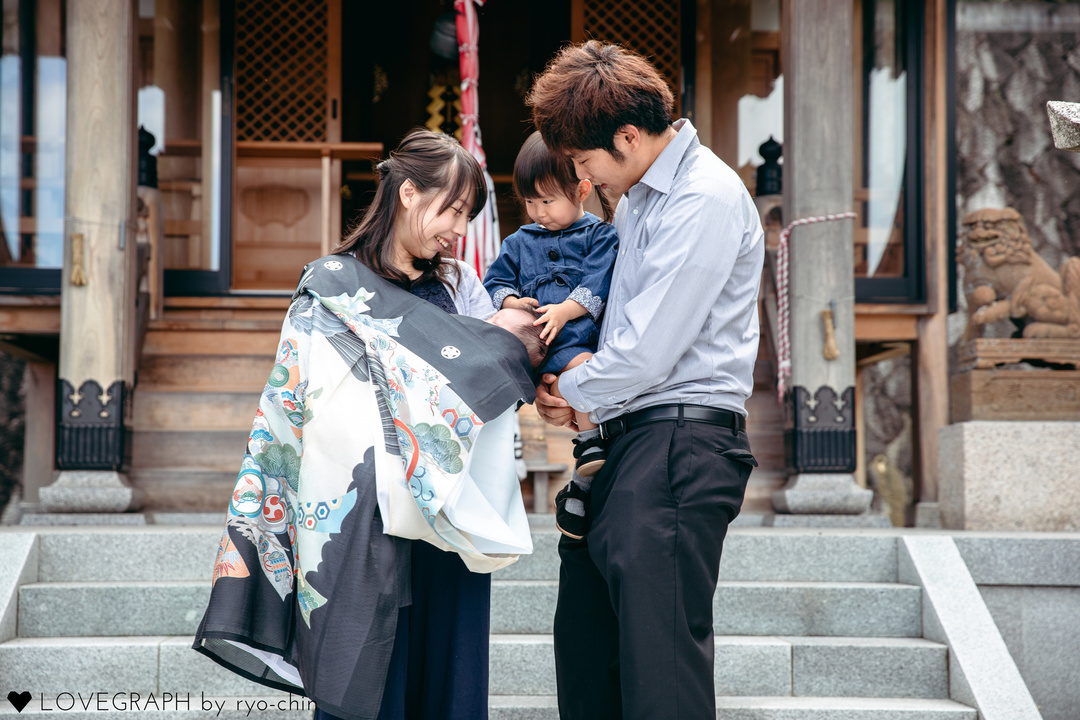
(1005,475)
(90,491)
(822,494)
(1015,395)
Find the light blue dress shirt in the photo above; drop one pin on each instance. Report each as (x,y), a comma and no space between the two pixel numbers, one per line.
(681,324)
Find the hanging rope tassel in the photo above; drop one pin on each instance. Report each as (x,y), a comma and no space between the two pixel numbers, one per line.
(783,359)
(78,274)
(830,351)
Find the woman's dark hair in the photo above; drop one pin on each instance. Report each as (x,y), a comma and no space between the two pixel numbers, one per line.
(539,171)
(435,163)
(589,91)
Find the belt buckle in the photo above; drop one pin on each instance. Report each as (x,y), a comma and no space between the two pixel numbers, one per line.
(611,428)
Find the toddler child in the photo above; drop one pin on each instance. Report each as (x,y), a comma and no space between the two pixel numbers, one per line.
(559,267)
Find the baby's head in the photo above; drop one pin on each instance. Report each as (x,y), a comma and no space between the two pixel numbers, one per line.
(520,324)
(547,185)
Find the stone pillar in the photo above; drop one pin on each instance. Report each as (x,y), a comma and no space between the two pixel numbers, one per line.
(98,283)
(818,116)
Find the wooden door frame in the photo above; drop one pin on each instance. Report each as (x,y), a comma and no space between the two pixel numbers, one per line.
(218,282)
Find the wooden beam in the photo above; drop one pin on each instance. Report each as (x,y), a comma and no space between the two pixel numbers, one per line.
(29,320)
(883,328)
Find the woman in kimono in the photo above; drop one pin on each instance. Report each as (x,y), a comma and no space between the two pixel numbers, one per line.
(403,610)
(429,189)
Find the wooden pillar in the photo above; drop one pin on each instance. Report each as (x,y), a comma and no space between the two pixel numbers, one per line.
(732,45)
(820,439)
(98,282)
(39,441)
(930,369)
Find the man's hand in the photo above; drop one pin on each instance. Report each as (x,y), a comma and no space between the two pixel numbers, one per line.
(526,303)
(555,316)
(554,410)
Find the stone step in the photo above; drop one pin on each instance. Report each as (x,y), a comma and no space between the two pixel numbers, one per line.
(236,373)
(212,342)
(521,665)
(769,708)
(197,450)
(748,666)
(171,607)
(169,553)
(187,411)
(748,608)
(186,489)
(500,708)
(544,707)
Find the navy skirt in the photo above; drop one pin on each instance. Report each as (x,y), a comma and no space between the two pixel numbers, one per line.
(439,665)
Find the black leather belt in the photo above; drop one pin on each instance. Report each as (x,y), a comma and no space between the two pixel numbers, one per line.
(680,413)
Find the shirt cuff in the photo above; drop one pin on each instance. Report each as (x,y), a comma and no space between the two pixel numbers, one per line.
(568,388)
(583,296)
(500,295)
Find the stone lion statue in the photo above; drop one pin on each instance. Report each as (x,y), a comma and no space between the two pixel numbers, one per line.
(1006,279)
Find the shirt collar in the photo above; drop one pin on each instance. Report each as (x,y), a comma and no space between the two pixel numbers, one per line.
(661,173)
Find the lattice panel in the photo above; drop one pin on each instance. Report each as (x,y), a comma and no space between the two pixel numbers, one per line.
(281,58)
(648,27)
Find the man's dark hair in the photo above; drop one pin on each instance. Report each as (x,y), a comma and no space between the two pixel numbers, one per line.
(589,91)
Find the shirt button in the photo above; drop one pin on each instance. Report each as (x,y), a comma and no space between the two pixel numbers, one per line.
(581,407)
(635,211)
(553,255)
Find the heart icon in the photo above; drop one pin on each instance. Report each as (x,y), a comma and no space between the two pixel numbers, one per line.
(19,700)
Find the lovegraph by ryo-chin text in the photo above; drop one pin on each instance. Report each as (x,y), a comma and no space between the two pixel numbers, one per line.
(124,701)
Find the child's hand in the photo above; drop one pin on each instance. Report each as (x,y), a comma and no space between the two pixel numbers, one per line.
(555,316)
(526,303)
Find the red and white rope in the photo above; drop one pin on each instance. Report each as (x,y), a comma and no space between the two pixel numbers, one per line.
(783,307)
(480,245)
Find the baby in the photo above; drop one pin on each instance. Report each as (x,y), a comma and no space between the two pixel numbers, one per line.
(520,324)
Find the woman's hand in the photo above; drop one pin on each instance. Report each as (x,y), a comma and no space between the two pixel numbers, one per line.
(554,317)
(526,303)
(554,410)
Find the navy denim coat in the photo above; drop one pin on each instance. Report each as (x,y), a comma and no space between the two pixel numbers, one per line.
(574,263)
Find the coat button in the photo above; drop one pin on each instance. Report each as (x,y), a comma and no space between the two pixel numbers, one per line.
(553,255)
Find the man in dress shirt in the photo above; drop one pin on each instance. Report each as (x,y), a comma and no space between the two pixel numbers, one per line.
(669,383)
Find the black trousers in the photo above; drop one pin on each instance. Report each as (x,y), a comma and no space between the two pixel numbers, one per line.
(634,622)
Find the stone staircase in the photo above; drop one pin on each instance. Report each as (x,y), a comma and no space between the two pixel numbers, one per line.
(202,370)
(811,625)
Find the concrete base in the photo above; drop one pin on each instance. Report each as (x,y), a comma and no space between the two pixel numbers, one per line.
(90,491)
(1009,475)
(928,515)
(822,494)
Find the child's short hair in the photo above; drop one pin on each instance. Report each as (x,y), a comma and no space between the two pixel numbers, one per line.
(540,171)
(589,91)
